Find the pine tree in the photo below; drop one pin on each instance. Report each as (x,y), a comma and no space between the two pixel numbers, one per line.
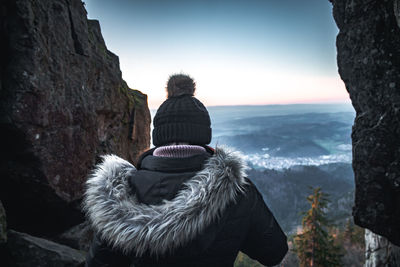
(348,230)
(354,234)
(314,246)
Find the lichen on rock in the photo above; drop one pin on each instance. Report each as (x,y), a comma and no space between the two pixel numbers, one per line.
(380,252)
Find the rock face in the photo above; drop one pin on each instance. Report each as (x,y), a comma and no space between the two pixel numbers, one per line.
(26,250)
(3,225)
(63,104)
(78,237)
(368,47)
(380,252)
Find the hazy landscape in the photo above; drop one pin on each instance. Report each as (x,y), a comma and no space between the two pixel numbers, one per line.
(290,148)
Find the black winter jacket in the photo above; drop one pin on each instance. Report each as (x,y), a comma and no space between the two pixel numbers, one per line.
(196,211)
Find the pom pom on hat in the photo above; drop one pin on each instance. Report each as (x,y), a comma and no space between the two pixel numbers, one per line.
(182,117)
(180,84)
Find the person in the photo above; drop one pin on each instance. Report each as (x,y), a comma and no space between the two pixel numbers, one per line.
(186,204)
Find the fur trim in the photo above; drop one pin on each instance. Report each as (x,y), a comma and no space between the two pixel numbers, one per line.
(116,215)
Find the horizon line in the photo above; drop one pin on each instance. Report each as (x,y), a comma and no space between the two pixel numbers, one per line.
(345,102)
(283,104)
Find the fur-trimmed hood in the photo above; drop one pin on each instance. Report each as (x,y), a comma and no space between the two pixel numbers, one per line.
(116,215)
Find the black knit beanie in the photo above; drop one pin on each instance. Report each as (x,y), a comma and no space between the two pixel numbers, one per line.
(182,117)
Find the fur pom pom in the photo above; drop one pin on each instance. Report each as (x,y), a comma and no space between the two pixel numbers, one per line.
(180,84)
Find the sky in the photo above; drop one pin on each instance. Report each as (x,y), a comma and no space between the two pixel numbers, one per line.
(240,52)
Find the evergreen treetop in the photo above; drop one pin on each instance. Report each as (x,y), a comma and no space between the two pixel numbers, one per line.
(314,245)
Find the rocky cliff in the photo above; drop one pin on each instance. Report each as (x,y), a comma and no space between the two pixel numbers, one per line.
(380,252)
(368,47)
(63,103)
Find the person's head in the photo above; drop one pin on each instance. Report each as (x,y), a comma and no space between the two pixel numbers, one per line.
(181,118)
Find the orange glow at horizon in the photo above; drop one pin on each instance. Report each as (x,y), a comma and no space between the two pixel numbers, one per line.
(247,87)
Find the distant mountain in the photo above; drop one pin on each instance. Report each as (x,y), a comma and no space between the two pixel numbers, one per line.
(295,135)
(227,113)
(275,145)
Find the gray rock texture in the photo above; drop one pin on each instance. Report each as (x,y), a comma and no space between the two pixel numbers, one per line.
(63,103)
(380,252)
(26,250)
(3,225)
(368,47)
(78,237)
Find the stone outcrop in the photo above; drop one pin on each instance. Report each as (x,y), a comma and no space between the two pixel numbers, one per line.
(26,250)
(368,47)
(3,225)
(63,104)
(78,237)
(380,252)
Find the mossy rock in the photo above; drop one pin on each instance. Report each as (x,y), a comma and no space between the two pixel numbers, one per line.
(139,97)
(135,97)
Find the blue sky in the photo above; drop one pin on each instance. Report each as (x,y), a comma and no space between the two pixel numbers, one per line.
(239,52)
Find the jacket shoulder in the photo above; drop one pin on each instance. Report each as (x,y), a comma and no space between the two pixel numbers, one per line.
(252,191)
